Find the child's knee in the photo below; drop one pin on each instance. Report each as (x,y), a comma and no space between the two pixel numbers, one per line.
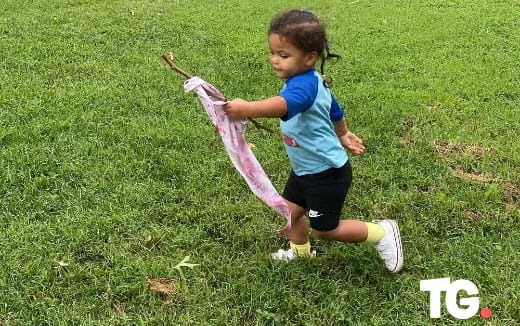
(299,220)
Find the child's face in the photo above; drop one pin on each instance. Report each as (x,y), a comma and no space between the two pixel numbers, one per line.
(287,60)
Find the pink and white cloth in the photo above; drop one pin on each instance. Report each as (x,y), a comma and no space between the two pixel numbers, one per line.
(232,134)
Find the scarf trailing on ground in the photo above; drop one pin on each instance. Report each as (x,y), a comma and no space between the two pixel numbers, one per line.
(232,133)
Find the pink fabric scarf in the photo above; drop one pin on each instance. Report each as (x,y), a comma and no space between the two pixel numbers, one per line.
(232,133)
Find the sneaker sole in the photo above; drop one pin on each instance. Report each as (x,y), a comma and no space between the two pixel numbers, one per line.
(397,239)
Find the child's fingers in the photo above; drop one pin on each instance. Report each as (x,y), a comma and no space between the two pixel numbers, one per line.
(357,139)
(356,148)
(228,109)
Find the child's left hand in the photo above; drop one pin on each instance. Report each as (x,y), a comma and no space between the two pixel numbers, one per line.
(352,143)
(237,109)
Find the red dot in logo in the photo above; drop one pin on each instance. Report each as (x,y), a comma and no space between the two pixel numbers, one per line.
(485,312)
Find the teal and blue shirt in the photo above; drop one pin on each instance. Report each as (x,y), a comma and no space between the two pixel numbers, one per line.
(308,130)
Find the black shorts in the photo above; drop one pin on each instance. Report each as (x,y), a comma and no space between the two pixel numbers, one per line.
(323,194)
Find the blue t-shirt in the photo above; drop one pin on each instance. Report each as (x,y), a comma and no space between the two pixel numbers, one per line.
(309,137)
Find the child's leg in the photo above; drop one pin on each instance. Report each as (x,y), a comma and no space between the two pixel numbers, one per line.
(298,235)
(325,197)
(353,231)
(384,234)
(299,232)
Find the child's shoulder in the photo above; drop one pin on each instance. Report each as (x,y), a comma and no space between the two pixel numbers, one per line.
(300,91)
(307,81)
(309,76)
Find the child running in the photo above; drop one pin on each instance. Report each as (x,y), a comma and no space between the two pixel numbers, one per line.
(316,135)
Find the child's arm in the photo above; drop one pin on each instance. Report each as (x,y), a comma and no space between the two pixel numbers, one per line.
(348,139)
(273,107)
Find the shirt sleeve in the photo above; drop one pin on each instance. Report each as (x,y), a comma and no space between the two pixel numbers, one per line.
(336,111)
(300,93)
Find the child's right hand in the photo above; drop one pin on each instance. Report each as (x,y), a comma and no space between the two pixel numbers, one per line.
(237,109)
(352,143)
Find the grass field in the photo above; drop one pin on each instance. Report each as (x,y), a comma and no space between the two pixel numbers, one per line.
(110,175)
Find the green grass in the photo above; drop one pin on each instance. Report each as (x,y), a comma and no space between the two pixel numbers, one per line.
(107,167)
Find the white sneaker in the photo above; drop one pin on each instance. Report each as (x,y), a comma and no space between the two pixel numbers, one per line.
(389,247)
(289,254)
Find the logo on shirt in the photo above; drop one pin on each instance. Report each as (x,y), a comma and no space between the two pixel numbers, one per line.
(289,141)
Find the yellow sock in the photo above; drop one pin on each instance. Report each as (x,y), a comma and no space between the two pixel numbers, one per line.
(302,250)
(375,232)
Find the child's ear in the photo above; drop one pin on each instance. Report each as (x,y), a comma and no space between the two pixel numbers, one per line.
(311,58)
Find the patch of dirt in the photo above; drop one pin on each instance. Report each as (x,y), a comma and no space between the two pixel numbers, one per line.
(163,286)
(405,141)
(118,309)
(434,107)
(450,151)
(512,192)
(473,217)
(474,177)
(513,210)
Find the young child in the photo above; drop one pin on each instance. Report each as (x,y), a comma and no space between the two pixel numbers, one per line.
(315,135)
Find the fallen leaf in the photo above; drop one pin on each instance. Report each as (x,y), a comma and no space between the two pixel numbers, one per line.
(184,263)
(61,263)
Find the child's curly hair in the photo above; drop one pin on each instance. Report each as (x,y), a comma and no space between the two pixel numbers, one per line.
(305,31)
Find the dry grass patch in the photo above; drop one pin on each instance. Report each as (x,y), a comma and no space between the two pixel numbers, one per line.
(118,309)
(405,141)
(473,216)
(163,286)
(512,192)
(450,151)
(434,107)
(474,177)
